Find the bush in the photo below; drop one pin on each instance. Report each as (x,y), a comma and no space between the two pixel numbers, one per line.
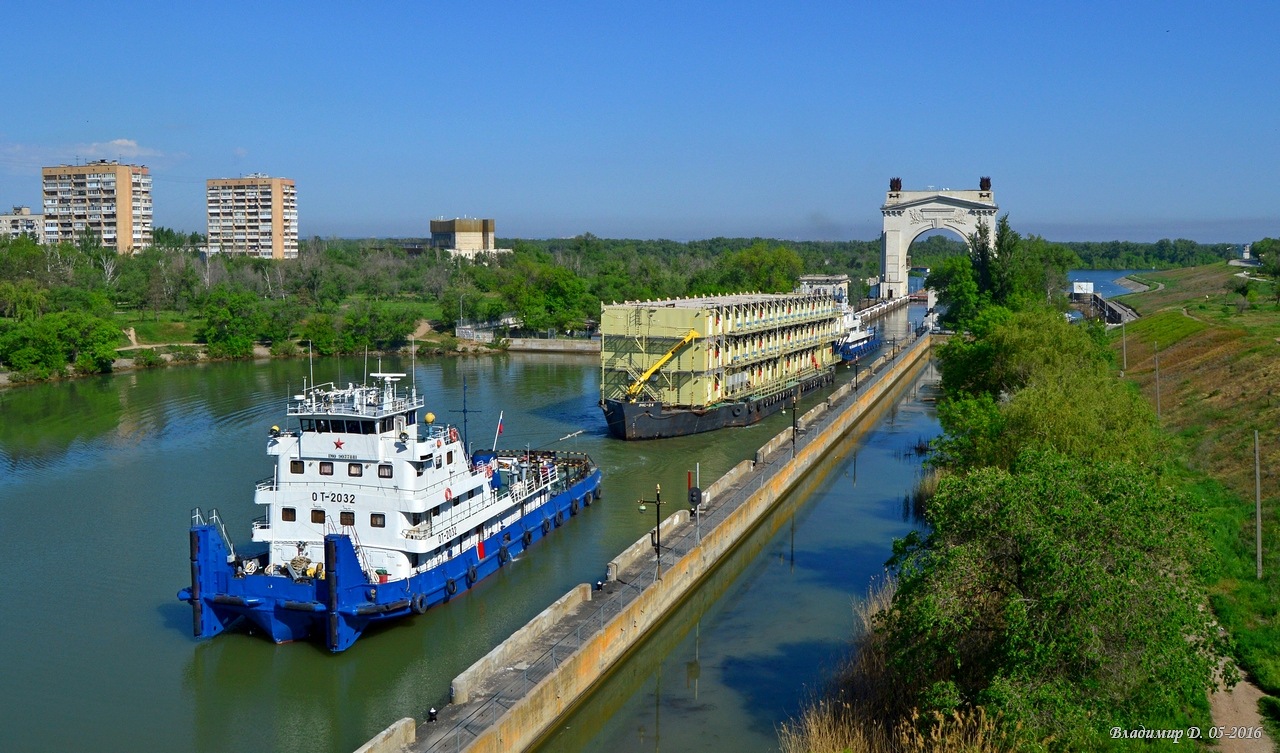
(146,358)
(284,348)
(184,354)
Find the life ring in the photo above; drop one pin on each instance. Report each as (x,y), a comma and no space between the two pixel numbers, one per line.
(472,576)
(453,434)
(559,517)
(527,538)
(451,586)
(546,526)
(488,471)
(448,494)
(573,507)
(504,556)
(419,603)
(439,443)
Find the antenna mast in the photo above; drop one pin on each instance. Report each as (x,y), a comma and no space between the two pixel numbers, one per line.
(464,412)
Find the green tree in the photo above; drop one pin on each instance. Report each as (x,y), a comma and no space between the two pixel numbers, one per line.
(232,320)
(1057,593)
(957,288)
(44,347)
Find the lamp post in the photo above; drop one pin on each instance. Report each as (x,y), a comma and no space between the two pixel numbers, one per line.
(657,522)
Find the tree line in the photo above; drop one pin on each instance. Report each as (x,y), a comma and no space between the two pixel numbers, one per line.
(347,295)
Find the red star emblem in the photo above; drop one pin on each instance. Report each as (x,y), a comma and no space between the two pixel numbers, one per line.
(337,443)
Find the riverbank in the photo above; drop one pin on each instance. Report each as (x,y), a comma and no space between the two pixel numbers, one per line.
(159,355)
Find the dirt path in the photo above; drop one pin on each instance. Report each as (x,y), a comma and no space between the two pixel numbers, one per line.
(1238,708)
(424,329)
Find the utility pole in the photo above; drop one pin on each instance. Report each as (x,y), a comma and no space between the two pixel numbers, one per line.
(1157,356)
(1257,499)
(1124,346)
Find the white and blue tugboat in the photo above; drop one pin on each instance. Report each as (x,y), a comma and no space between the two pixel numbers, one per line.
(374,512)
(857,339)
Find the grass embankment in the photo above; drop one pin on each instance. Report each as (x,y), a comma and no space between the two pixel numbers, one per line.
(1219,382)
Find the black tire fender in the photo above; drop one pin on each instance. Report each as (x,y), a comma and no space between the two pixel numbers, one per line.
(450,586)
(419,603)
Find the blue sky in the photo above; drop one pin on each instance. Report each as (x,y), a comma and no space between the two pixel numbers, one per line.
(1095,121)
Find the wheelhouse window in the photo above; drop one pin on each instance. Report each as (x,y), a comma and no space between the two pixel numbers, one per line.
(317,516)
(326,468)
(347,518)
(288,514)
(378,520)
(449,457)
(295,466)
(355,469)
(384,471)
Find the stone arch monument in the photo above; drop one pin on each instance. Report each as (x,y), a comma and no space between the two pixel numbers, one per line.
(907,214)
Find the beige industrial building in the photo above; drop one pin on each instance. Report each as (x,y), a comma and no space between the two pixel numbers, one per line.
(105,198)
(465,237)
(256,215)
(22,222)
(699,352)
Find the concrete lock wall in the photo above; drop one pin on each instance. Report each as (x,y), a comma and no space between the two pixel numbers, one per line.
(393,739)
(643,547)
(727,480)
(553,346)
(526,721)
(501,655)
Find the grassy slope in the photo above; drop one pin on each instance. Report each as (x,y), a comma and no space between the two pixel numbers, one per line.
(1220,381)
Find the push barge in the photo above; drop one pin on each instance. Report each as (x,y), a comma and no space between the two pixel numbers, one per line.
(689,365)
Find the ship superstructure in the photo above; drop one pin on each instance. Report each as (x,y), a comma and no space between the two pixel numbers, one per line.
(374,511)
(687,365)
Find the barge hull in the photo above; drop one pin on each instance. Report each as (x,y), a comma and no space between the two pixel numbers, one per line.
(656,420)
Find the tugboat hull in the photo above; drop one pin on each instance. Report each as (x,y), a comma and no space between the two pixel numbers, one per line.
(341,603)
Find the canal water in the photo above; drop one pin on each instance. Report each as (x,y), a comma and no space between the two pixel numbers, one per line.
(1105,281)
(97,481)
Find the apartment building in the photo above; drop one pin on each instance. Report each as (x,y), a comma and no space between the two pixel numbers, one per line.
(105,198)
(22,222)
(465,237)
(255,215)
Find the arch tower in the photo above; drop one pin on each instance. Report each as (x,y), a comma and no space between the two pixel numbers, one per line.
(907,214)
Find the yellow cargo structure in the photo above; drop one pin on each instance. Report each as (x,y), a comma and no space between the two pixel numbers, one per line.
(698,352)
